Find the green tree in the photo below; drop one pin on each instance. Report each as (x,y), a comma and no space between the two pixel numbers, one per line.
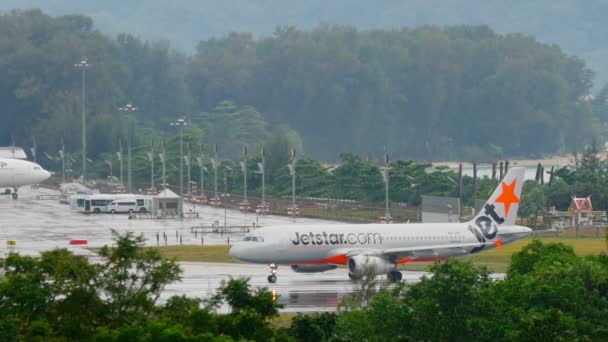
(358,179)
(313,327)
(132,278)
(533,201)
(537,253)
(559,194)
(442,305)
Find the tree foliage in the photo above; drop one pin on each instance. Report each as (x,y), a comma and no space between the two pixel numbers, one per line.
(549,294)
(59,296)
(426,93)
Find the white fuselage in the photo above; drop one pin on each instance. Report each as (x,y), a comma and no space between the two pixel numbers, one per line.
(16,172)
(317,244)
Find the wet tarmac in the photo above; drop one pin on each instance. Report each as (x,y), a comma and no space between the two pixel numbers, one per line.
(298,292)
(40,224)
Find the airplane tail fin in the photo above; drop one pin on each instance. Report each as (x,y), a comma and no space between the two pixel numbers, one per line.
(501,208)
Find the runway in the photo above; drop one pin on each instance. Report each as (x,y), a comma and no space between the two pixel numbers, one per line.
(37,225)
(298,292)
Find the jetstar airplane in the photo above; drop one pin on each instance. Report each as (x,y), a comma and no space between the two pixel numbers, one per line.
(379,248)
(16,172)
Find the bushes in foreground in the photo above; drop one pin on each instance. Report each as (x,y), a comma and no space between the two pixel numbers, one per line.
(549,293)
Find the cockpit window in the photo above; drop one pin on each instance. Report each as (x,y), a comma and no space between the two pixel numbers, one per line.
(36,167)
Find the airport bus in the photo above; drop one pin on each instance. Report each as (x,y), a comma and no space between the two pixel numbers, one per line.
(97,203)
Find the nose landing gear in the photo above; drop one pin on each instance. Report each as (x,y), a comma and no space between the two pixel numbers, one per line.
(272,278)
(14,194)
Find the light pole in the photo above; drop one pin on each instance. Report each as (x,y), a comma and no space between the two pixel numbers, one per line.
(419,185)
(292,171)
(214,161)
(262,167)
(226,194)
(181,123)
(83,65)
(162,156)
(151,159)
(201,161)
(129,109)
(119,155)
(387,214)
(187,160)
(62,155)
(109,163)
(245,204)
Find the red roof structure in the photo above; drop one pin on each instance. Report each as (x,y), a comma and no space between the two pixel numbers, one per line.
(581,203)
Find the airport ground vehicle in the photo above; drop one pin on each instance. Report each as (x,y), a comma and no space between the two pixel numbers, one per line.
(99,203)
(141,204)
(96,203)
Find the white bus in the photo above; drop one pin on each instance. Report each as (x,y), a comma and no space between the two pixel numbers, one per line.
(97,203)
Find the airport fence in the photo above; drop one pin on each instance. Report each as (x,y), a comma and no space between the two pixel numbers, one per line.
(325,208)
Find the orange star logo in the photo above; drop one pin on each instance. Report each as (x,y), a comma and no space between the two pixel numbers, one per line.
(508,196)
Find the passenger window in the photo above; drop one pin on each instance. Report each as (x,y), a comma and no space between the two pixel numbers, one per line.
(254,239)
(247,238)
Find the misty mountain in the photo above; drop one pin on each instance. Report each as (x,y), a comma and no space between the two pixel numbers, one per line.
(577,26)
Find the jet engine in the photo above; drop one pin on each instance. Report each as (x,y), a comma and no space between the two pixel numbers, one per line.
(360,264)
(312,268)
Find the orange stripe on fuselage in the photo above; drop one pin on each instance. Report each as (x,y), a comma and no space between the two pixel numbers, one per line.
(406,260)
(342,259)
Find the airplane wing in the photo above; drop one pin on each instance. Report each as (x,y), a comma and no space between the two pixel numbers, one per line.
(423,251)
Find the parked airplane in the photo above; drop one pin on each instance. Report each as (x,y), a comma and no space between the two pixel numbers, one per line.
(379,248)
(16,172)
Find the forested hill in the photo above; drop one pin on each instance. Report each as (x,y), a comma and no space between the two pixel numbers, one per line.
(425,93)
(577,26)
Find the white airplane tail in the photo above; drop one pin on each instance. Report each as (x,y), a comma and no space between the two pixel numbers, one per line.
(501,207)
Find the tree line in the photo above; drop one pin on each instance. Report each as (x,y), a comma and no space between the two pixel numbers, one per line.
(427,93)
(353,177)
(578,27)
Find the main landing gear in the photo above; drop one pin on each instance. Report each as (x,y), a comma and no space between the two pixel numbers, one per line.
(272,278)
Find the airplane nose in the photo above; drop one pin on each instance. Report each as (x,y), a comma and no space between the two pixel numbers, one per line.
(45,175)
(234,251)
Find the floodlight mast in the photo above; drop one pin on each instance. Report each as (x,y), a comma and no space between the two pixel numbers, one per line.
(387,214)
(83,65)
(181,123)
(201,162)
(129,109)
